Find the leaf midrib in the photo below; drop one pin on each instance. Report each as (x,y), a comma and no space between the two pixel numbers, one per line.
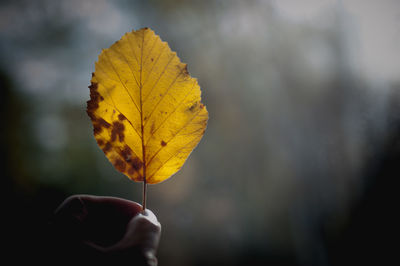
(141,110)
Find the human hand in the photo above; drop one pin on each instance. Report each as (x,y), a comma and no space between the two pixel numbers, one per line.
(106,230)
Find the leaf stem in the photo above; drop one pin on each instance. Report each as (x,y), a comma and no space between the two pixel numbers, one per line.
(142,129)
(144,196)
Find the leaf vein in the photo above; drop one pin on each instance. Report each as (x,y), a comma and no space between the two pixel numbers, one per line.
(162,73)
(119,77)
(151,49)
(129,65)
(170,114)
(176,134)
(133,51)
(162,97)
(155,63)
(174,155)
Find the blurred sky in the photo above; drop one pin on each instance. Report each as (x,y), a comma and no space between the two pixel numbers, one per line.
(303,98)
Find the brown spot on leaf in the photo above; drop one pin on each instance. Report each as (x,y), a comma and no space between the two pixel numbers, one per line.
(103,123)
(192,108)
(185,70)
(97,129)
(131,171)
(136,165)
(93,103)
(121,117)
(152,128)
(120,165)
(107,147)
(201,106)
(99,124)
(152,59)
(163,143)
(126,153)
(117,130)
(100,142)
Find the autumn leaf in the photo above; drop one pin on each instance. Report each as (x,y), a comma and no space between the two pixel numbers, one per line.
(145,107)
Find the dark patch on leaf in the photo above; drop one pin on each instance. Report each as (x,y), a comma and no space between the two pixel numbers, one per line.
(100,142)
(126,153)
(185,70)
(120,165)
(117,130)
(107,147)
(99,124)
(136,165)
(121,117)
(163,143)
(131,171)
(97,129)
(93,103)
(103,123)
(192,108)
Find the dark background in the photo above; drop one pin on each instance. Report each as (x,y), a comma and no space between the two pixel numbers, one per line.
(299,161)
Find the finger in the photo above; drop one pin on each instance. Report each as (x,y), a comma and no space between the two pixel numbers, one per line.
(143,234)
(82,205)
(144,231)
(100,220)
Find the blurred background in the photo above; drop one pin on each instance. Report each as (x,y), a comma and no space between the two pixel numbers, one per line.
(299,161)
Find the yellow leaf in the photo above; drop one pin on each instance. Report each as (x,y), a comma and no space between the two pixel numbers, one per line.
(145,107)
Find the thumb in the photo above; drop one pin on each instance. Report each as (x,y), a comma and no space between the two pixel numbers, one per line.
(143,234)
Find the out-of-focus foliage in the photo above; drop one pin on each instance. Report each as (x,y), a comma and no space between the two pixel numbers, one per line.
(145,107)
(303,96)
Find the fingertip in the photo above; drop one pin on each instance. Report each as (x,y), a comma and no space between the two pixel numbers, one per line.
(143,232)
(150,216)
